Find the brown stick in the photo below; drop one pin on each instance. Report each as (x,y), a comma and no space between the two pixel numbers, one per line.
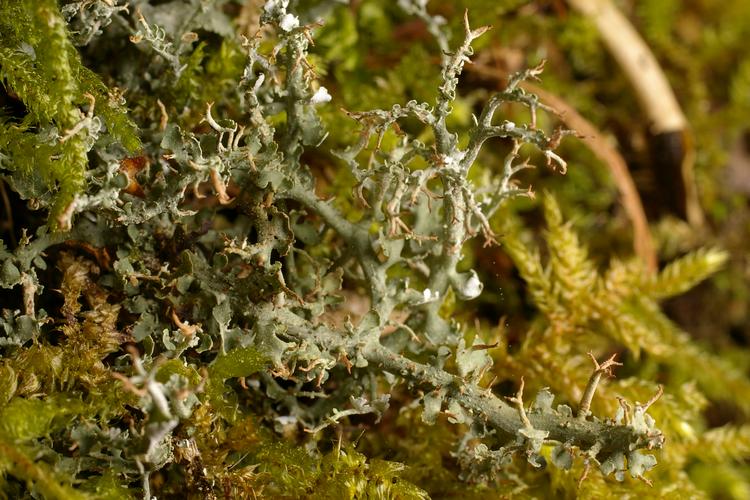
(643,244)
(637,61)
(649,82)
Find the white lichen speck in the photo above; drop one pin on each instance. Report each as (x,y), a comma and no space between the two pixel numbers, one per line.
(321,95)
(259,82)
(289,22)
(272,5)
(473,287)
(286,419)
(429,295)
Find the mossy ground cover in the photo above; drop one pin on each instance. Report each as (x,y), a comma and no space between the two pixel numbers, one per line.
(312,249)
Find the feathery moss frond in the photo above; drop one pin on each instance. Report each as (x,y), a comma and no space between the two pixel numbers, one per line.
(24,464)
(529,264)
(621,304)
(40,65)
(722,444)
(573,274)
(19,75)
(716,377)
(684,273)
(110,106)
(41,28)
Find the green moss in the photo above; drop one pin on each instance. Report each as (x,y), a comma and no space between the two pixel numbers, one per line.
(345,474)
(107,487)
(110,107)
(40,65)
(24,419)
(37,475)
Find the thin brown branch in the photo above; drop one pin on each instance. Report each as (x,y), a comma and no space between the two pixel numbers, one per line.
(649,82)
(595,140)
